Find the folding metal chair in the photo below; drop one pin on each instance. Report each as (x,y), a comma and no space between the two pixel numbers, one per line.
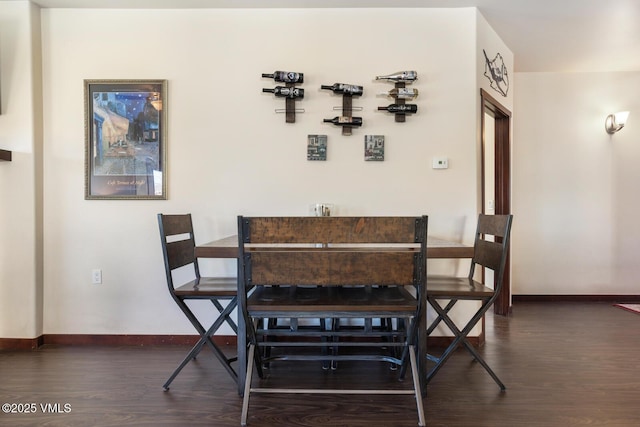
(178,243)
(490,251)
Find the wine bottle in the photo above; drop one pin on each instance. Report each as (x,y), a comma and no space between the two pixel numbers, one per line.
(286,92)
(345,121)
(286,76)
(400,76)
(344,89)
(402,93)
(400,108)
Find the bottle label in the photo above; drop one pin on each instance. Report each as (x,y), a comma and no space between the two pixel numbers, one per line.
(403,76)
(289,77)
(405,93)
(401,107)
(293,92)
(345,120)
(350,88)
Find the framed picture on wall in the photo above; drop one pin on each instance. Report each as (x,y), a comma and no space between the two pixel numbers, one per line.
(317,147)
(374,148)
(125,139)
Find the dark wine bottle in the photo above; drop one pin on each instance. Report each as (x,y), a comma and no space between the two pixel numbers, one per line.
(286,92)
(345,121)
(400,108)
(286,76)
(344,89)
(400,76)
(402,93)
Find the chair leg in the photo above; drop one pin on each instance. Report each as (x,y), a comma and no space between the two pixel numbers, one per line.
(252,326)
(460,338)
(484,364)
(205,338)
(437,321)
(416,385)
(410,340)
(227,317)
(190,356)
(271,324)
(400,333)
(247,385)
(443,316)
(324,350)
(335,327)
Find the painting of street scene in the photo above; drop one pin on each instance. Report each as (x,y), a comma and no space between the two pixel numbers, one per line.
(125,147)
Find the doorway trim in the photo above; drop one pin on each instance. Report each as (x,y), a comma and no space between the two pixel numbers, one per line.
(502,117)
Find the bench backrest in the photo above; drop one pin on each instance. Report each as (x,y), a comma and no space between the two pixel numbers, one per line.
(331,229)
(333,251)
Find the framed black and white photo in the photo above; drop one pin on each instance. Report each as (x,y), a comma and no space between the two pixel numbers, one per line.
(317,147)
(374,148)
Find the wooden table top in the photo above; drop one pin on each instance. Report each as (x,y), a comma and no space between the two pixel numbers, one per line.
(227,247)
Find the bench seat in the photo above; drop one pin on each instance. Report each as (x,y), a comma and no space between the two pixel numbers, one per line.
(286,301)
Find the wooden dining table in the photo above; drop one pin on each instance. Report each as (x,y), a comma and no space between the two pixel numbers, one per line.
(227,247)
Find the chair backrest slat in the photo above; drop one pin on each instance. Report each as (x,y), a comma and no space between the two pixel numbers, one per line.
(489,254)
(495,225)
(178,244)
(176,224)
(180,253)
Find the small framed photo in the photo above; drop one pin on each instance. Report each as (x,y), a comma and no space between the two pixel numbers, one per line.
(125,139)
(317,147)
(374,148)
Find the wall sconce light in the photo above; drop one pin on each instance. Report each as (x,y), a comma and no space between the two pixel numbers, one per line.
(615,122)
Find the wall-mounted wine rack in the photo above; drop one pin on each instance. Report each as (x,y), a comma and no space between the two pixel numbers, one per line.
(346,120)
(401,93)
(289,92)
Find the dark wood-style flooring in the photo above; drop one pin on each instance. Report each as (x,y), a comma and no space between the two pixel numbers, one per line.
(564,364)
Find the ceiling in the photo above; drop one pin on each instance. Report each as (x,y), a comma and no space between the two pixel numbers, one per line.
(544,35)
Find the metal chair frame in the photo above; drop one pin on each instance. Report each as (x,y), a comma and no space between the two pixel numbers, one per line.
(488,254)
(178,244)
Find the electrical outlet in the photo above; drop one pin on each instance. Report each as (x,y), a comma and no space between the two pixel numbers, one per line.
(96,276)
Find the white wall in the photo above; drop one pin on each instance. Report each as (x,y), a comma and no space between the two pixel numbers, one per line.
(490,41)
(574,194)
(20,232)
(575,191)
(230,154)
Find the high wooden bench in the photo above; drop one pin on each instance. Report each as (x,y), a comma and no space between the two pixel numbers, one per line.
(297,268)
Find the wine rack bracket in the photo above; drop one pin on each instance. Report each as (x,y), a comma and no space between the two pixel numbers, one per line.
(290,106)
(347,111)
(349,91)
(293,93)
(400,117)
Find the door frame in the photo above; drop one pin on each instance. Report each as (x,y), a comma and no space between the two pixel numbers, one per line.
(502,117)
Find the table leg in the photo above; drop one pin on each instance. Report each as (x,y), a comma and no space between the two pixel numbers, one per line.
(422,346)
(242,337)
